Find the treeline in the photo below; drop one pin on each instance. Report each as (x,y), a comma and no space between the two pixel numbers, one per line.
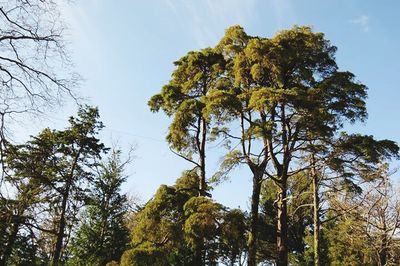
(278,106)
(61,204)
(65,207)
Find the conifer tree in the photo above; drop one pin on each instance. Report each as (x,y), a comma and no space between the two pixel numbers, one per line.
(184,98)
(54,168)
(102,235)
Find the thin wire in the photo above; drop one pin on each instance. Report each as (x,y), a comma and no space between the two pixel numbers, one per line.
(113,130)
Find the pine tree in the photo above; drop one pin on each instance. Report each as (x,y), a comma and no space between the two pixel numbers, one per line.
(102,236)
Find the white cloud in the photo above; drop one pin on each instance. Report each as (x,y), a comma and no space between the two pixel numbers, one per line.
(363,22)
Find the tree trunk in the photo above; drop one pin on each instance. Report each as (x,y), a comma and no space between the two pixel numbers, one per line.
(316,220)
(383,252)
(61,228)
(282,226)
(202,153)
(255,202)
(202,176)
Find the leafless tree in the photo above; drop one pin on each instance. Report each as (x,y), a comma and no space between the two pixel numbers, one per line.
(35,68)
(377,212)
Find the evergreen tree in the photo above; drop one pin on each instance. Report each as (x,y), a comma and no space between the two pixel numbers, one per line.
(293,99)
(51,172)
(102,236)
(158,234)
(178,227)
(197,75)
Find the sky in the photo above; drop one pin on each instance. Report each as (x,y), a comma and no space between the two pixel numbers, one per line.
(125,51)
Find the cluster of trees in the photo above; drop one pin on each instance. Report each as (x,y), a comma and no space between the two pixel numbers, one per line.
(47,182)
(320,196)
(280,105)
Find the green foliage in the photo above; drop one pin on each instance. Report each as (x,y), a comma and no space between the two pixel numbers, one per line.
(102,235)
(366,148)
(184,97)
(231,160)
(283,100)
(346,245)
(193,98)
(144,256)
(158,227)
(293,101)
(233,41)
(181,228)
(299,216)
(50,173)
(26,252)
(233,243)
(201,227)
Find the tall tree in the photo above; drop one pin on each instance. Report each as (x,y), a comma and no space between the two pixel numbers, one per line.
(35,73)
(252,137)
(286,96)
(102,236)
(292,82)
(62,163)
(341,163)
(196,75)
(369,222)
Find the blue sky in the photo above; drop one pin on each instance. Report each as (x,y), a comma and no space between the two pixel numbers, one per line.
(124,50)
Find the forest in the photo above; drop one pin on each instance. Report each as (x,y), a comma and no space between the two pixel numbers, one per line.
(279,106)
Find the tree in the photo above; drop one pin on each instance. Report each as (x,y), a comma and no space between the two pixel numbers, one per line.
(61,164)
(369,222)
(196,76)
(233,244)
(35,73)
(340,163)
(158,234)
(292,83)
(35,68)
(178,227)
(235,102)
(202,229)
(102,236)
(289,100)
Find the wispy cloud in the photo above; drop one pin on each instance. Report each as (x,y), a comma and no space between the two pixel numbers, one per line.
(206,19)
(363,22)
(90,48)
